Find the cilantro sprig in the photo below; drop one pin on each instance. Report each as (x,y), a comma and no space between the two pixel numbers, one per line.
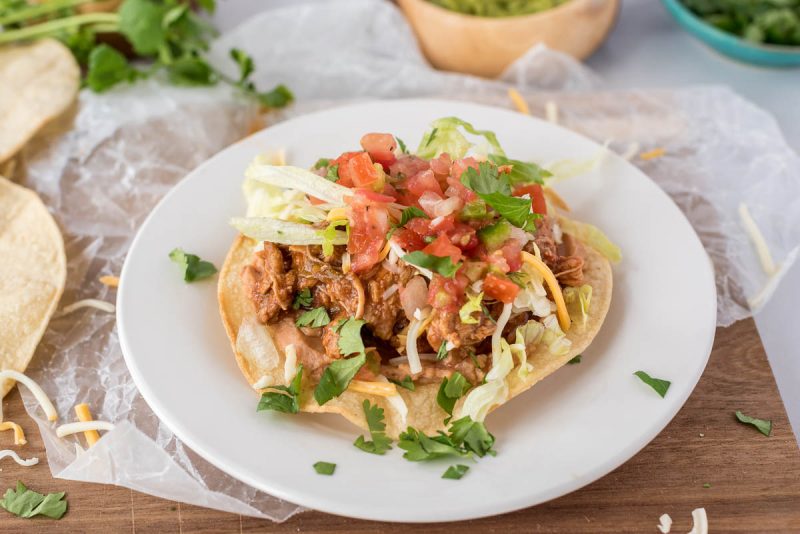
(450,390)
(466,438)
(659,386)
(762,425)
(191,265)
(338,375)
(442,265)
(455,472)
(27,503)
(285,399)
(168,33)
(495,190)
(406,383)
(314,318)
(411,213)
(377,430)
(324,468)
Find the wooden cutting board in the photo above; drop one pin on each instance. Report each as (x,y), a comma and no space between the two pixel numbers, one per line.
(755,480)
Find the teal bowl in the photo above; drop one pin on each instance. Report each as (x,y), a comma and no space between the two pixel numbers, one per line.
(731,45)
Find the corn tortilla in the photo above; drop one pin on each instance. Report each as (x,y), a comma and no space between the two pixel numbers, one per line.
(424,413)
(33,270)
(38,82)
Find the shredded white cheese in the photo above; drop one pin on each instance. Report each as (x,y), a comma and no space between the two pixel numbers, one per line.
(290,365)
(414,364)
(498,331)
(14,456)
(263,382)
(87,303)
(665,523)
(755,235)
(551,111)
(82,426)
(391,290)
(700,521)
(397,403)
(630,153)
(38,392)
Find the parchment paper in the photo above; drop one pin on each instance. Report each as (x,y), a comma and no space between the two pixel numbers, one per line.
(102,170)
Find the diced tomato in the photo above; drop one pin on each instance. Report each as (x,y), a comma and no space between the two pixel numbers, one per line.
(500,289)
(464,237)
(407,166)
(497,262)
(390,191)
(454,180)
(442,225)
(512,252)
(408,240)
(381,147)
(420,226)
(357,170)
(536,194)
(442,247)
(422,182)
(447,293)
(369,224)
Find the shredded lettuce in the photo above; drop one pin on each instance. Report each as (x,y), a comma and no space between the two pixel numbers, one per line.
(284,232)
(527,335)
(330,235)
(271,201)
(570,168)
(592,236)
(444,136)
(578,300)
(300,180)
(555,339)
(472,305)
(533,296)
(495,391)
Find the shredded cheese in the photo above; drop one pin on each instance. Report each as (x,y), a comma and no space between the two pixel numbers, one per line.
(84,415)
(518,101)
(498,331)
(551,111)
(755,235)
(384,252)
(87,303)
(38,392)
(290,364)
(13,455)
(381,389)
(652,154)
(397,403)
(391,290)
(561,307)
(414,330)
(74,428)
(110,281)
(664,523)
(19,434)
(700,520)
(337,214)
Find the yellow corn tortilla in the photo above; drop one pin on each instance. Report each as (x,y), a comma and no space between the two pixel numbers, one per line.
(264,359)
(33,270)
(38,82)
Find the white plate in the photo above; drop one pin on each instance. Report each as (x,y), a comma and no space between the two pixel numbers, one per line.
(568,431)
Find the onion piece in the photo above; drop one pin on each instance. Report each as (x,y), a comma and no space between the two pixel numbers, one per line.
(447,206)
(423,356)
(428,202)
(414,296)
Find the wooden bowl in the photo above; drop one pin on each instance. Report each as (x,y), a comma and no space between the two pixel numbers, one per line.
(486,46)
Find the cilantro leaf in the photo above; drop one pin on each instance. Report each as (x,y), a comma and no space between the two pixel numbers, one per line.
(282,398)
(140,21)
(402,145)
(314,318)
(521,172)
(324,468)
(333,173)
(450,390)
(280,96)
(495,190)
(763,425)
(407,383)
(375,422)
(441,353)
(455,472)
(191,71)
(193,267)
(350,341)
(107,68)
(443,266)
(28,503)
(660,386)
(576,359)
(411,213)
(303,299)
(420,447)
(337,376)
(472,435)
(244,62)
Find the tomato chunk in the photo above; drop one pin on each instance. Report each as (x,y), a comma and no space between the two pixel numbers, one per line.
(536,194)
(357,170)
(369,224)
(442,247)
(500,289)
(422,182)
(381,147)
(447,293)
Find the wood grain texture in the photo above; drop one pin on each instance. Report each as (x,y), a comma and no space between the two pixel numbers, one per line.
(755,480)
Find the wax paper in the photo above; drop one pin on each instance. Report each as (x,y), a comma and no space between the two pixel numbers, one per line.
(103,168)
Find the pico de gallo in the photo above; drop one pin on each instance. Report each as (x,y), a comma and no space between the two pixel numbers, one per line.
(446,261)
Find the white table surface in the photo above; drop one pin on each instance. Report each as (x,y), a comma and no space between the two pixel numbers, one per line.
(648,49)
